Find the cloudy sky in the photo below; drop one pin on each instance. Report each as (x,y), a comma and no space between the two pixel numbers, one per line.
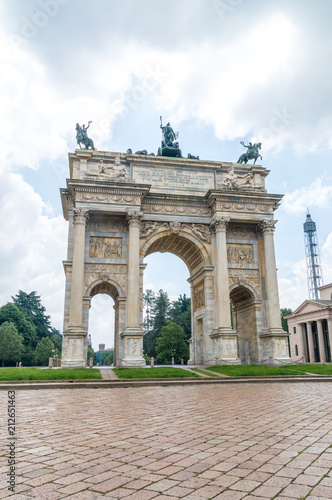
(220,71)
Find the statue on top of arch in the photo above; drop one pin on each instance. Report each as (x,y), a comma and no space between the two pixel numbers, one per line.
(82,136)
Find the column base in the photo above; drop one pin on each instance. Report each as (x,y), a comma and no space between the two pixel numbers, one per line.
(276,340)
(226,349)
(73,348)
(133,348)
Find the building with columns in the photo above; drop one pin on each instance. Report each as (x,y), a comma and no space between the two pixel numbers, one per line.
(310,328)
(216,216)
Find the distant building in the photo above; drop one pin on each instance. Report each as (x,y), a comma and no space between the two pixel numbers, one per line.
(310,328)
(101,347)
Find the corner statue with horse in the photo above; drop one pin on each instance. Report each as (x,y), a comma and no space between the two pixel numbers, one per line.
(82,137)
(251,154)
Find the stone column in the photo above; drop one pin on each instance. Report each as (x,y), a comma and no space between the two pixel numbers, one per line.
(74,335)
(133,334)
(133,219)
(274,319)
(321,342)
(310,344)
(329,327)
(223,330)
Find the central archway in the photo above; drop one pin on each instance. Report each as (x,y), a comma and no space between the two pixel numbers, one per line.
(193,253)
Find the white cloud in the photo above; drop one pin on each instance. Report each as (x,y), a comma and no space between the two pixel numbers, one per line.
(317,194)
(32,246)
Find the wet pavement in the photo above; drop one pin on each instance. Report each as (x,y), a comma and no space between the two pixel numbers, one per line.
(250,441)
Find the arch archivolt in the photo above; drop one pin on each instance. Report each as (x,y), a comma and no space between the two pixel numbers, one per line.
(179,240)
(243,291)
(105,283)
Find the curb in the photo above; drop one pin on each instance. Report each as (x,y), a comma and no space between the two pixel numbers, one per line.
(124,383)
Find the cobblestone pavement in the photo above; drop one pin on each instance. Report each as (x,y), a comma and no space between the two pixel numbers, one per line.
(250,441)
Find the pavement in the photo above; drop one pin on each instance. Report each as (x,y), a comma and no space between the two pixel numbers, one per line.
(220,441)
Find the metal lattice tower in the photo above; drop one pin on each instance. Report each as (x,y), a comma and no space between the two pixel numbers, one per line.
(314,268)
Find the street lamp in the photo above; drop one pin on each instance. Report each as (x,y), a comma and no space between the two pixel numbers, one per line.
(173,356)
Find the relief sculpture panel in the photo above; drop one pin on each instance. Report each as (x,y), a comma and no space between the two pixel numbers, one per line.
(105,248)
(240,254)
(198,297)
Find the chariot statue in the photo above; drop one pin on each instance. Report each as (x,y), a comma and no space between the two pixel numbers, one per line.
(252,152)
(169,143)
(82,137)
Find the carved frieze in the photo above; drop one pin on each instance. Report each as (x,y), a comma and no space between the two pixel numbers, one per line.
(176,209)
(243,273)
(109,226)
(105,268)
(118,278)
(198,296)
(107,197)
(241,233)
(105,248)
(243,207)
(240,254)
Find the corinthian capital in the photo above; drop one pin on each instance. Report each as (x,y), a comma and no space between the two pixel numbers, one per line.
(134,218)
(220,223)
(80,216)
(267,226)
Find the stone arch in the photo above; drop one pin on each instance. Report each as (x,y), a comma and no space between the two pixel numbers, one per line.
(244,299)
(114,290)
(109,286)
(182,244)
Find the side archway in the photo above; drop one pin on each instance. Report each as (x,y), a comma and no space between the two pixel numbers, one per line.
(244,300)
(114,290)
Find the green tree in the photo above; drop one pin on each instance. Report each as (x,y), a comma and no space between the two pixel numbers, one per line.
(32,308)
(159,318)
(180,313)
(105,356)
(56,338)
(44,350)
(11,345)
(172,342)
(92,354)
(285,312)
(10,312)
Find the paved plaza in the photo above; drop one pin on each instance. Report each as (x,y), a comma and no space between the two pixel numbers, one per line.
(249,441)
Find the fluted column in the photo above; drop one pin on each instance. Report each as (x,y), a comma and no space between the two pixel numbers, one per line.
(223,311)
(133,219)
(321,342)
(73,345)
(132,336)
(80,218)
(274,319)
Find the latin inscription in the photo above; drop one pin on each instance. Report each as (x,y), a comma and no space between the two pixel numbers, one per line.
(174,178)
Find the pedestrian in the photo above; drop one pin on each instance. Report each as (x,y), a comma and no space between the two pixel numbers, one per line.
(20,364)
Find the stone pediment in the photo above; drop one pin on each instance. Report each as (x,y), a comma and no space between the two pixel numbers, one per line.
(309,306)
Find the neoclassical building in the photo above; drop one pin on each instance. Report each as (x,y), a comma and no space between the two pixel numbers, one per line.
(217,217)
(310,328)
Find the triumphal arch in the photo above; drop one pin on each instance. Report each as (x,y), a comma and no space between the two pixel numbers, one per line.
(217,217)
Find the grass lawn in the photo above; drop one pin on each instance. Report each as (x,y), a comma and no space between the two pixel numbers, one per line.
(314,368)
(48,374)
(163,372)
(255,370)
